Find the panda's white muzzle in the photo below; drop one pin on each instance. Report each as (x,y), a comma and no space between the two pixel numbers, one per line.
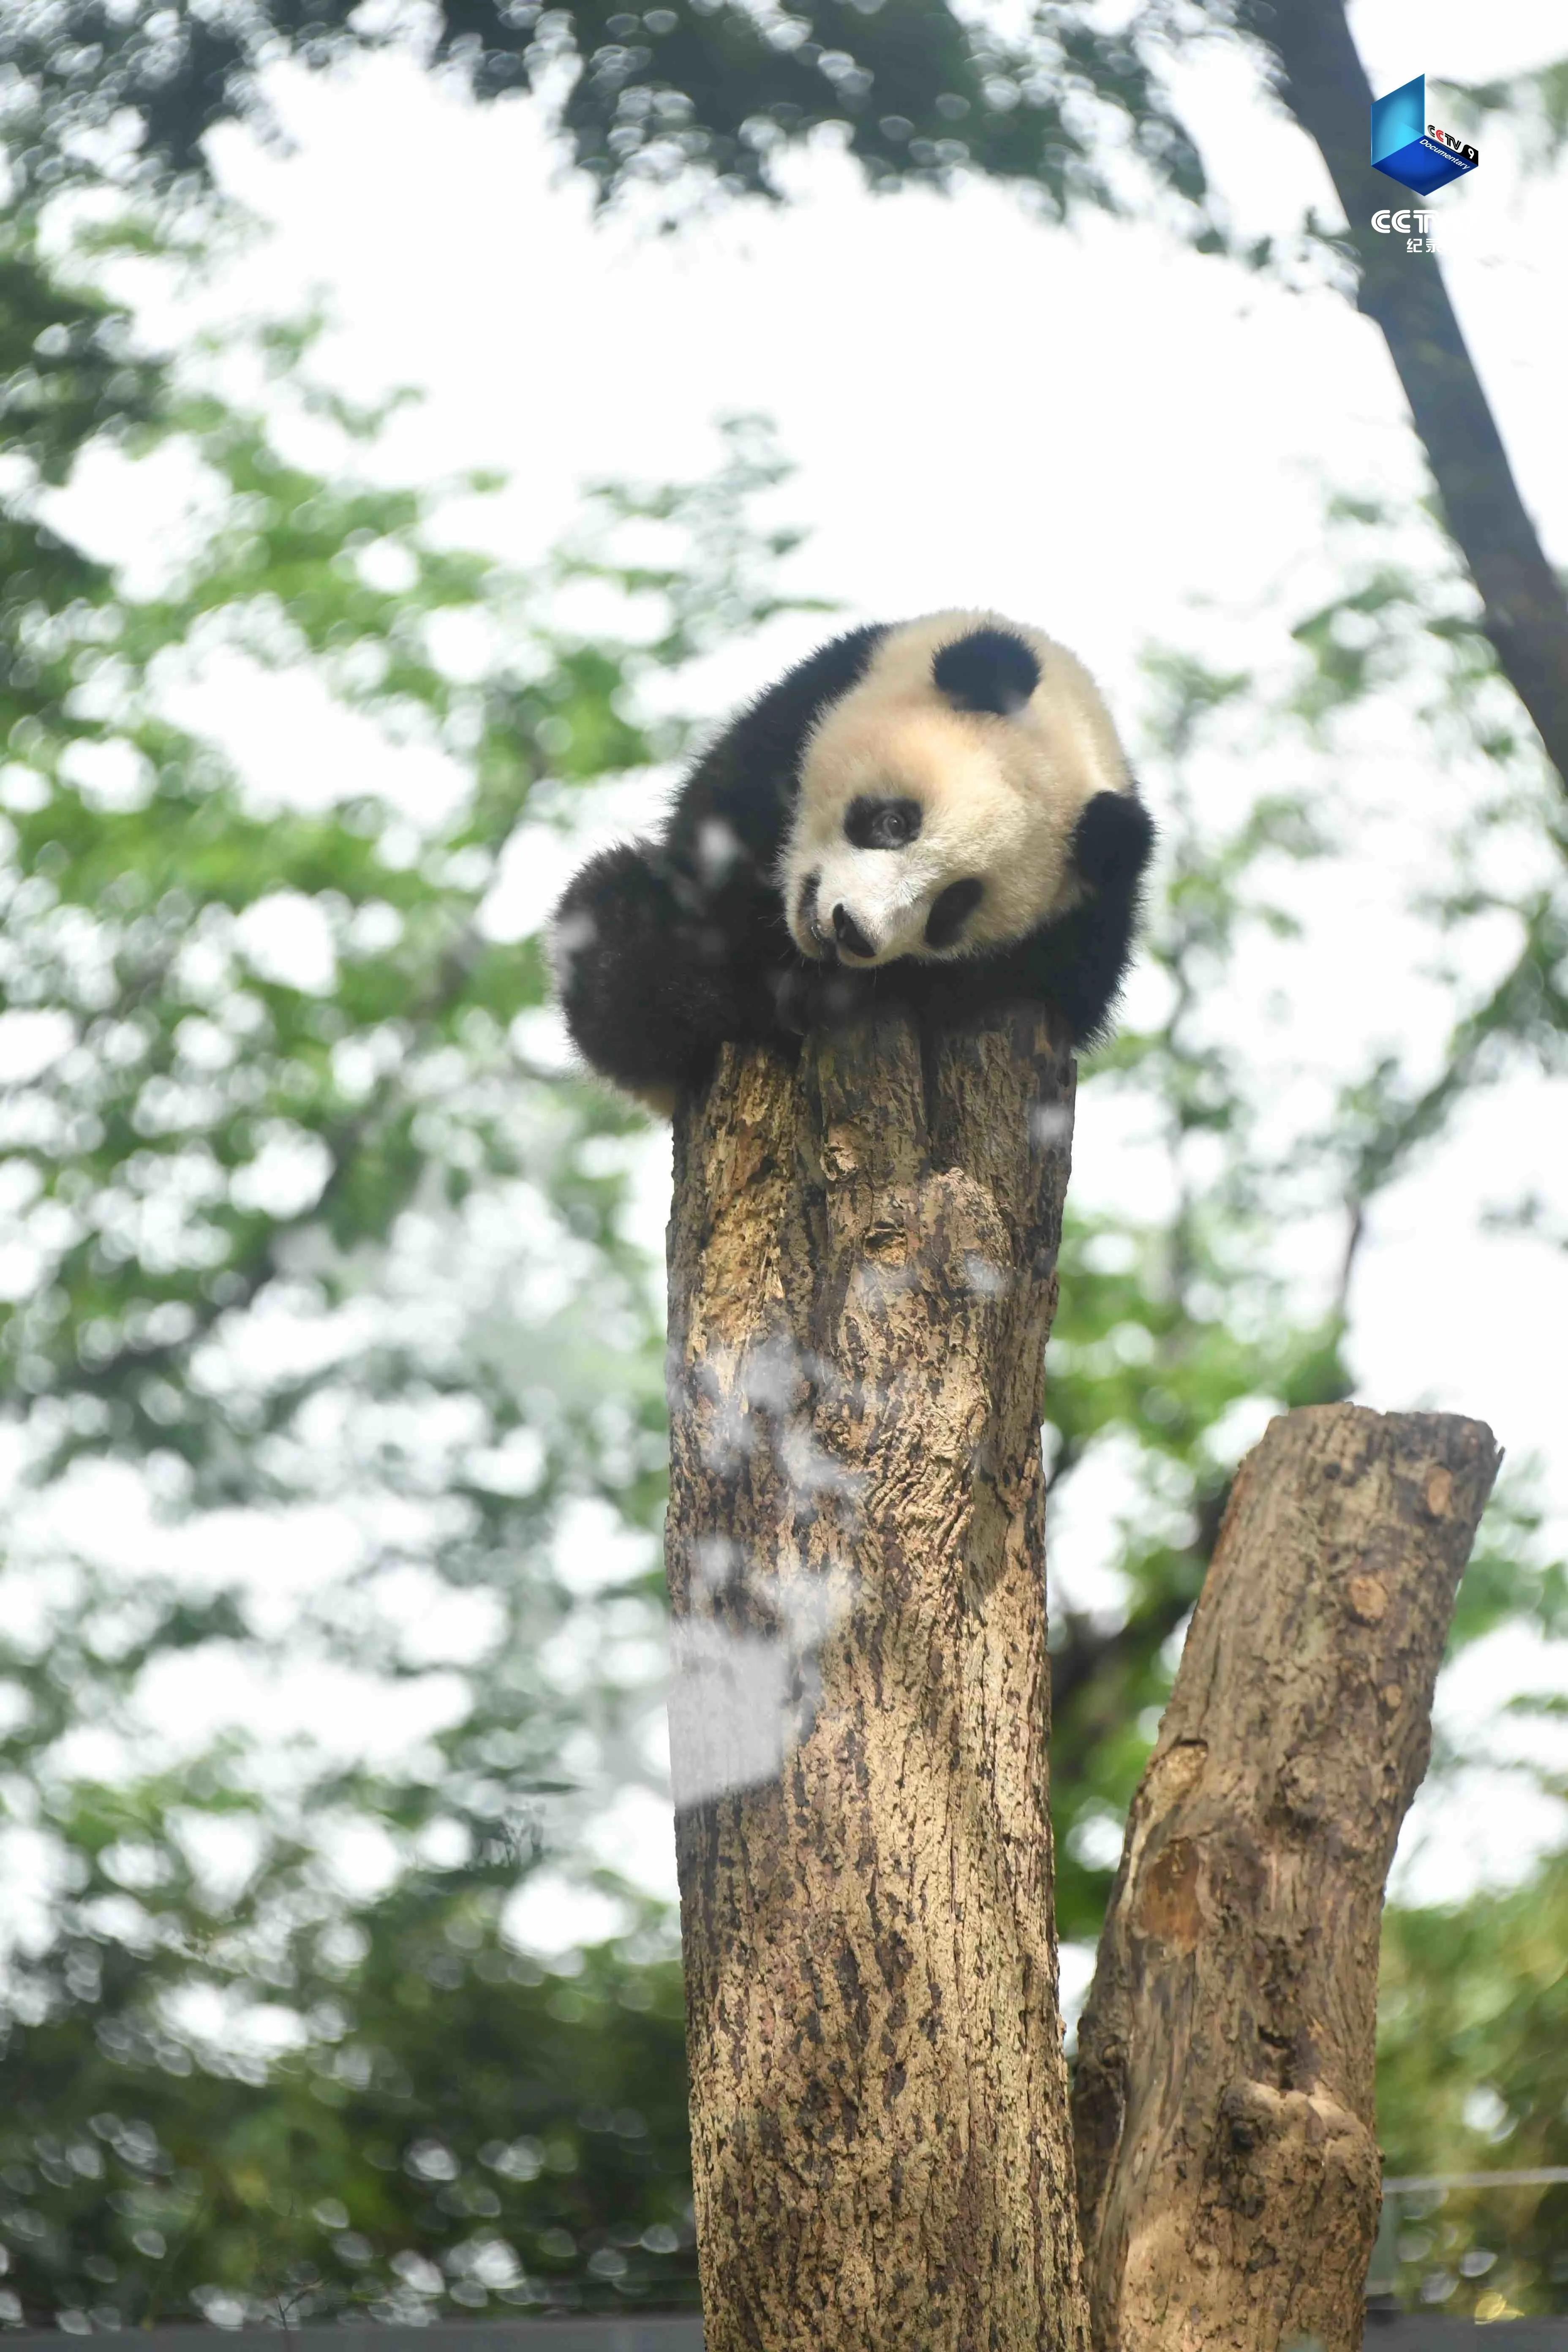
(866,908)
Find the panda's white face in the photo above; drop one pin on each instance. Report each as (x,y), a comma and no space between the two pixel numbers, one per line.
(926,830)
(912,843)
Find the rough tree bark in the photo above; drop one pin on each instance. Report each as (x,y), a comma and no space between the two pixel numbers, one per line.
(1324,84)
(1228,2174)
(862,1277)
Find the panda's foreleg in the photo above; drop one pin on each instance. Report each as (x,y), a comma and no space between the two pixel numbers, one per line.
(1111,841)
(645,975)
(1111,848)
(1077,964)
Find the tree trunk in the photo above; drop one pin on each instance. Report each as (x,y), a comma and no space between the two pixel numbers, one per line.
(1228,2172)
(862,1277)
(1324,84)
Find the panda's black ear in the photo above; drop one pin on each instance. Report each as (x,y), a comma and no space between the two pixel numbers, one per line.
(990,669)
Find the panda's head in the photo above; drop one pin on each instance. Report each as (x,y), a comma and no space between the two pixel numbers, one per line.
(938,796)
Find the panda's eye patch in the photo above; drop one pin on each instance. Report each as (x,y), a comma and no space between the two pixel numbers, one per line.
(873,824)
(952,909)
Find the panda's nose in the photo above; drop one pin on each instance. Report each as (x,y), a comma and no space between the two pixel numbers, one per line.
(849,935)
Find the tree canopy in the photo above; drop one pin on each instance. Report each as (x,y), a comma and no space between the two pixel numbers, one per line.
(1069,110)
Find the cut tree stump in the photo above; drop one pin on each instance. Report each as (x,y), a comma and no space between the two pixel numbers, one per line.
(1228,2171)
(862,1276)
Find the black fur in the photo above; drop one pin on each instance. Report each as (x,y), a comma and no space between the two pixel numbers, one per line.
(990,669)
(952,909)
(668,949)
(882,823)
(1077,964)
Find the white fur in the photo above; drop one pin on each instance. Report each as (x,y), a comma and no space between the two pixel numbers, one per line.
(1000,796)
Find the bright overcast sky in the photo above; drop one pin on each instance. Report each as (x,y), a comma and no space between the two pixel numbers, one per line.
(1094,429)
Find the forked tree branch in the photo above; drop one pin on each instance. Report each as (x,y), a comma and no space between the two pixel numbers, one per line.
(862,1278)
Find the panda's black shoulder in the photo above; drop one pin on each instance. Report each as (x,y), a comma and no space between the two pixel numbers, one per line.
(747,778)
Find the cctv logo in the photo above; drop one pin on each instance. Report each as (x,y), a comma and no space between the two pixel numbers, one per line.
(1402,224)
(1408,147)
(1470,155)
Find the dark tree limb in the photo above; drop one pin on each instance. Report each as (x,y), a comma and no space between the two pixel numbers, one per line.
(1228,2172)
(1324,85)
(862,1276)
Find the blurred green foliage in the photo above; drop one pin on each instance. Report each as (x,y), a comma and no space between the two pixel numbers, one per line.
(1172,1326)
(280,1239)
(708,92)
(1473,2063)
(338,1240)
(458,2129)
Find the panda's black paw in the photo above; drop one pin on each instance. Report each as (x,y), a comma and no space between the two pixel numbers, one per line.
(791,990)
(843,996)
(1112,839)
(817,996)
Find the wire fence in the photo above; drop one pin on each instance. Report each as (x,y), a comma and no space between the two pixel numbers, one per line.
(1388,2329)
(1411,2255)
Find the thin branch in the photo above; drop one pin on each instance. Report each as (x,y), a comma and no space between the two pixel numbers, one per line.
(1355,1233)
(1324,85)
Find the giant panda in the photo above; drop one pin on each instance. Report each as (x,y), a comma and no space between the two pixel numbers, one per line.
(936,812)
